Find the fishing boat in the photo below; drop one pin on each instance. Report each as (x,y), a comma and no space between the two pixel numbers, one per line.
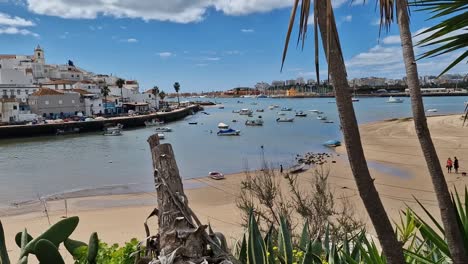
(228,132)
(301,114)
(161,135)
(216,175)
(223,126)
(432,110)
(332,143)
(285,119)
(163,129)
(68,131)
(393,100)
(321,117)
(286,109)
(245,111)
(112,133)
(296,168)
(258,122)
(260,110)
(153,122)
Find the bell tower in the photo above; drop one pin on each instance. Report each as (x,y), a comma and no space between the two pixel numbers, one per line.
(39,55)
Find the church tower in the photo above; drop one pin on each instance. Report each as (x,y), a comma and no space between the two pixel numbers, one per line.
(39,55)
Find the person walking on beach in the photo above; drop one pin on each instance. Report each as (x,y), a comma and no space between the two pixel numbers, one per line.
(455,164)
(449,165)
(281,168)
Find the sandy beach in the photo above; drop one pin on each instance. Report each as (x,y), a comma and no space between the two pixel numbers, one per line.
(391,147)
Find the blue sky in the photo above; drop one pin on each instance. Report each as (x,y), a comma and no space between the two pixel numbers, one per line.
(203,44)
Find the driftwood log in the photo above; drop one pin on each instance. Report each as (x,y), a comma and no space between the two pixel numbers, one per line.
(181,238)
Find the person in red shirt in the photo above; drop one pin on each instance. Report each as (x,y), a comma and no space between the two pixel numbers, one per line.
(449,165)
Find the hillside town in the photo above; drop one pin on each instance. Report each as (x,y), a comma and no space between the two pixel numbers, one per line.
(33,90)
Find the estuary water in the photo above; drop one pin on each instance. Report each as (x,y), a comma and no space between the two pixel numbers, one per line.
(91,163)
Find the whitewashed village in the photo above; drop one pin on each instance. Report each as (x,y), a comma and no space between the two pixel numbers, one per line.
(31,90)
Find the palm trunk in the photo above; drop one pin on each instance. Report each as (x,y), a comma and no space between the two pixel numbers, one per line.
(447,209)
(392,249)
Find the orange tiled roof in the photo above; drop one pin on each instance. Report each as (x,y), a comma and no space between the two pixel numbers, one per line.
(59,82)
(46,91)
(7,56)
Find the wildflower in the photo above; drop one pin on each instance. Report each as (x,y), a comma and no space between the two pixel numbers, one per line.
(275,248)
(268,253)
(294,251)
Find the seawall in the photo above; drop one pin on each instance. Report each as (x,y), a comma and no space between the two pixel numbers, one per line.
(16,131)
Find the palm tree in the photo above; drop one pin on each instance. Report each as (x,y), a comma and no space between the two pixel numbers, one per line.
(177,89)
(162,95)
(325,21)
(447,208)
(120,83)
(155,92)
(105,92)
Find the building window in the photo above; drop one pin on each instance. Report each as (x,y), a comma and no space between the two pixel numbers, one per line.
(12,92)
(4,92)
(60,101)
(26,91)
(73,101)
(46,102)
(73,75)
(15,107)
(18,92)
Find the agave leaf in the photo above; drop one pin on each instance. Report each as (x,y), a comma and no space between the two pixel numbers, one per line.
(309,256)
(243,251)
(305,240)
(256,247)
(285,242)
(4,259)
(46,252)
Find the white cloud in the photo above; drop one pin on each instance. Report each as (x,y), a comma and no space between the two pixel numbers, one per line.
(180,11)
(17,31)
(131,40)
(348,18)
(7,20)
(233,52)
(247,30)
(386,60)
(358,2)
(201,64)
(211,59)
(165,54)
(311,20)
(393,39)
(376,22)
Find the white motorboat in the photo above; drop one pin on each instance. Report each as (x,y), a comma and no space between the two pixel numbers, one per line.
(258,122)
(216,175)
(286,109)
(301,114)
(394,100)
(285,119)
(314,111)
(223,126)
(163,129)
(113,132)
(161,135)
(228,132)
(245,111)
(321,117)
(271,107)
(432,110)
(153,122)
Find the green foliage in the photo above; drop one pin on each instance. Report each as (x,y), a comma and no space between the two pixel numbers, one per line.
(113,254)
(47,252)
(18,238)
(4,259)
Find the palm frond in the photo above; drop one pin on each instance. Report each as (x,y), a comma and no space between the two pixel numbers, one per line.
(445,36)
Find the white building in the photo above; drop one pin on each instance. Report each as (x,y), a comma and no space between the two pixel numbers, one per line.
(9,110)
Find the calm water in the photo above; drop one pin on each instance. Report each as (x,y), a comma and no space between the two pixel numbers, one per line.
(41,166)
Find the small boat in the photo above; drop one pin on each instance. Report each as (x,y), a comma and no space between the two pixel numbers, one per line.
(262,96)
(153,122)
(314,111)
(276,106)
(228,132)
(432,110)
(354,99)
(161,135)
(321,117)
(223,126)
(332,143)
(234,121)
(112,133)
(220,107)
(296,168)
(395,100)
(193,123)
(245,111)
(216,175)
(68,131)
(328,122)
(301,114)
(286,109)
(205,113)
(258,122)
(163,129)
(281,114)
(271,107)
(260,110)
(250,115)
(235,111)
(285,119)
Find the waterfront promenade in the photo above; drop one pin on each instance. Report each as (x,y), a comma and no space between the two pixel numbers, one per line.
(15,131)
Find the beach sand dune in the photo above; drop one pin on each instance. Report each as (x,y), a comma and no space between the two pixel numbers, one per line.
(391,147)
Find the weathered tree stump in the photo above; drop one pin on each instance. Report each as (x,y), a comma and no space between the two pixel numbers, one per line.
(181,236)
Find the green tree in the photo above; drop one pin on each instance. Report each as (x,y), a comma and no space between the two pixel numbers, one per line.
(120,83)
(177,89)
(162,95)
(325,22)
(447,208)
(105,92)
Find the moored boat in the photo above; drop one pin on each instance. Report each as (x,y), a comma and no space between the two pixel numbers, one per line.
(260,110)
(395,100)
(223,126)
(258,122)
(286,109)
(432,110)
(245,111)
(296,168)
(332,143)
(216,175)
(161,136)
(163,129)
(153,122)
(285,119)
(228,132)
(321,117)
(112,133)
(301,114)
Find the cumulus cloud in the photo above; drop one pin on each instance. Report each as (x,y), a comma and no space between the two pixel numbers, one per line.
(247,30)
(180,11)
(211,59)
(165,54)
(131,40)
(13,25)
(386,60)
(17,31)
(348,18)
